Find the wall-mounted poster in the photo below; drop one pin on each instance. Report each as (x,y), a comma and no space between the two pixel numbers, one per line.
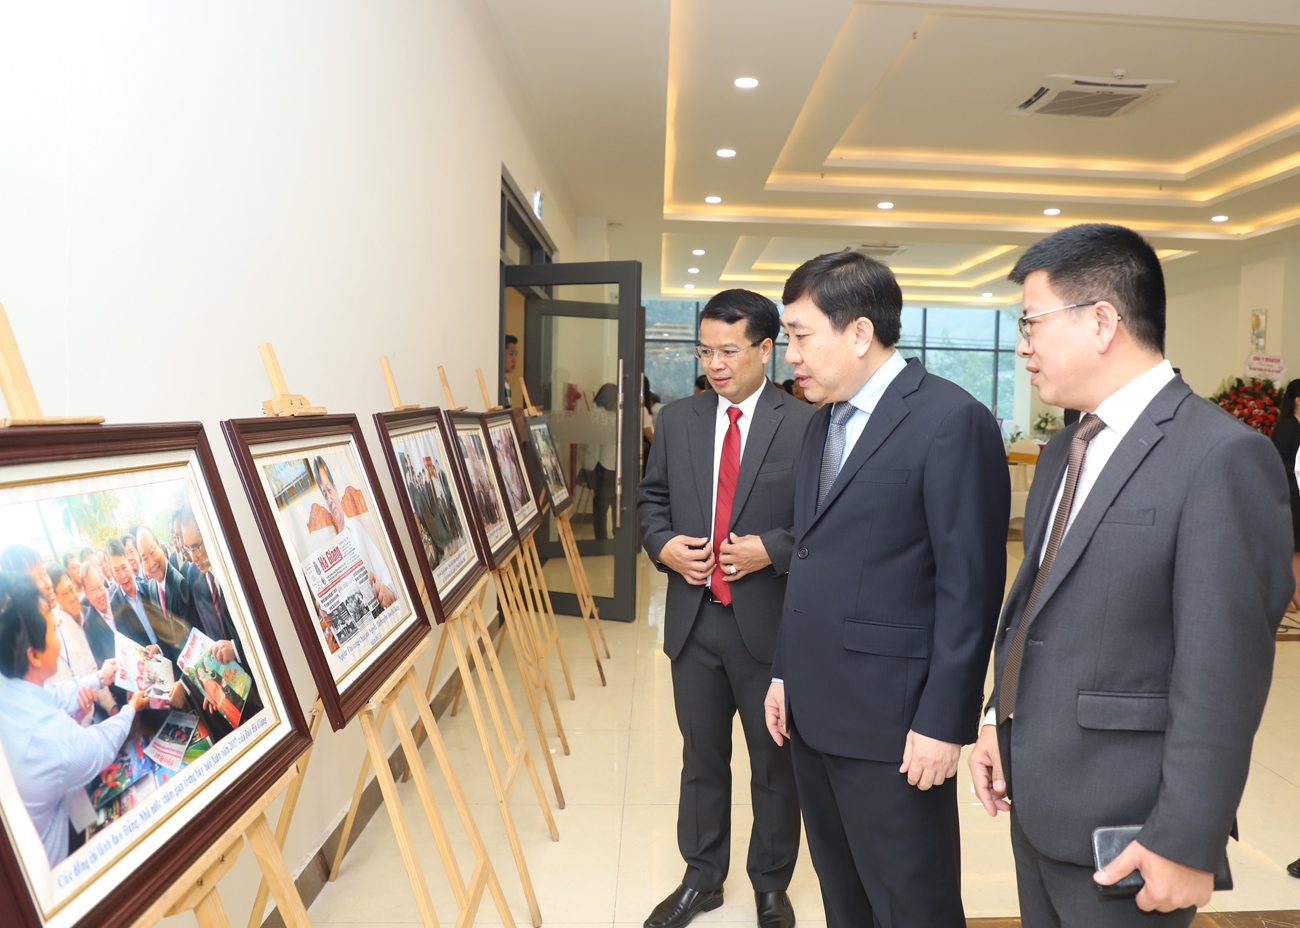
(511,473)
(421,459)
(484,490)
(144,704)
(548,461)
(332,543)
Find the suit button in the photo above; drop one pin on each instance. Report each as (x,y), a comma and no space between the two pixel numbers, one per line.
(803,552)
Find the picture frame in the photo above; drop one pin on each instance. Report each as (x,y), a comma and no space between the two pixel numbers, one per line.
(548,464)
(512,471)
(498,536)
(350,592)
(145,821)
(448,549)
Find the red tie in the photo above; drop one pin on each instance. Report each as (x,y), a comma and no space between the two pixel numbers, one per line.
(728,470)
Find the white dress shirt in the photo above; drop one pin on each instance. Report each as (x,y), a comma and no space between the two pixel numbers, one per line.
(76,660)
(722,423)
(1119,411)
(867,399)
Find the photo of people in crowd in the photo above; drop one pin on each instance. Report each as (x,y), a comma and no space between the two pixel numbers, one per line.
(430,488)
(482,483)
(324,509)
(510,460)
(112,585)
(550,461)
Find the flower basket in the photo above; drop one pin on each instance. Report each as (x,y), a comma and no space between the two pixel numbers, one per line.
(1255,402)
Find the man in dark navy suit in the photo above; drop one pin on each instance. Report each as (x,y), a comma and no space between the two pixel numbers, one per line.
(902,498)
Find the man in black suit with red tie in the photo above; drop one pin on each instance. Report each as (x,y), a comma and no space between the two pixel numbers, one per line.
(902,498)
(716,506)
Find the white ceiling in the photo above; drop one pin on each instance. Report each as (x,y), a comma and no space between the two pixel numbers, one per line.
(907,102)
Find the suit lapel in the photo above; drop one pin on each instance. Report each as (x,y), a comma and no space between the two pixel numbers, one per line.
(762,429)
(701,430)
(1145,434)
(890,411)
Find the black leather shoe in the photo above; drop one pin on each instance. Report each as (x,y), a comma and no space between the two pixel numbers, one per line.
(774,910)
(1293,868)
(683,904)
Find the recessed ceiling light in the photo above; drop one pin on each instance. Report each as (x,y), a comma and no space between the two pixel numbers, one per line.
(1052,212)
(884,204)
(697,252)
(690,286)
(987,295)
(692,270)
(726,152)
(713,199)
(746,83)
(1218,219)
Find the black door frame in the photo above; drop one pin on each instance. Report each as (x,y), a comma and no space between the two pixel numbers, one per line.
(540,279)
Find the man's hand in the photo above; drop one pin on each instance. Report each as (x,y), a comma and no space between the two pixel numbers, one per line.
(744,552)
(690,557)
(108,672)
(178,695)
(85,703)
(928,762)
(986,772)
(382,593)
(139,701)
(1169,885)
(223,652)
(774,709)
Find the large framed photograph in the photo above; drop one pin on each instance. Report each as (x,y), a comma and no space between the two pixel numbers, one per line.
(548,463)
(511,472)
(421,459)
(145,702)
(332,542)
(499,538)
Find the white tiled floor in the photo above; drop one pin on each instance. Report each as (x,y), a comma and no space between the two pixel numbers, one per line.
(617,853)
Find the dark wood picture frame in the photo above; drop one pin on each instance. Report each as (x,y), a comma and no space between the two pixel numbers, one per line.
(531,463)
(445,602)
(533,422)
(504,417)
(130,897)
(242,435)
(496,559)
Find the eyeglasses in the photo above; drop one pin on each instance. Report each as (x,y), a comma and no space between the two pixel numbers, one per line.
(727,354)
(1026,330)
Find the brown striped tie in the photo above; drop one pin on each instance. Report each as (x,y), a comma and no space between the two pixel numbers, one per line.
(1089,426)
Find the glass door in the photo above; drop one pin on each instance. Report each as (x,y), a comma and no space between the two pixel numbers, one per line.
(583,357)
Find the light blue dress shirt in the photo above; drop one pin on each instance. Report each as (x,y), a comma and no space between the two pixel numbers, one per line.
(138,605)
(50,754)
(867,399)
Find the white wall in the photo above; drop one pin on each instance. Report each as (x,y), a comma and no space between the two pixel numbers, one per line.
(181,182)
(1202,336)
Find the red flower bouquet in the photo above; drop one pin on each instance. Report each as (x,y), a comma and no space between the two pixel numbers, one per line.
(1255,402)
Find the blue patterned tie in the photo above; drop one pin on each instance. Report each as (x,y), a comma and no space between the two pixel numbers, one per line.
(834,450)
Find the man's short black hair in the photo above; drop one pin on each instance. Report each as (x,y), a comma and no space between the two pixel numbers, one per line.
(758,312)
(22,624)
(511,340)
(84,553)
(319,465)
(56,574)
(115,548)
(18,558)
(1100,261)
(846,285)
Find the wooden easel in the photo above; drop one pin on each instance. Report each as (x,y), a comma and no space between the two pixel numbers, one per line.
(196,889)
(283,403)
(17,387)
(516,753)
(577,571)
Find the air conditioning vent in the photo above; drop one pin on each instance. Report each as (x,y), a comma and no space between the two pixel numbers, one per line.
(879,250)
(1094,97)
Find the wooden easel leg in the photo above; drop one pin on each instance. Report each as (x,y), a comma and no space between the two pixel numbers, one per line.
(578,574)
(210,913)
(201,897)
(534,560)
(537,651)
(286,816)
(484,872)
(428,691)
(405,844)
(267,848)
(352,810)
(530,690)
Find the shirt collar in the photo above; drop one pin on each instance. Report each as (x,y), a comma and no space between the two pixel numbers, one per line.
(747,405)
(871,392)
(1120,410)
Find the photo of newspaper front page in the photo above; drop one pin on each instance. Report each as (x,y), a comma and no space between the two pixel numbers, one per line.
(348,573)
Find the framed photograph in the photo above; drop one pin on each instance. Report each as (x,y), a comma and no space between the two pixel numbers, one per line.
(335,551)
(498,538)
(508,457)
(159,708)
(421,459)
(548,463)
